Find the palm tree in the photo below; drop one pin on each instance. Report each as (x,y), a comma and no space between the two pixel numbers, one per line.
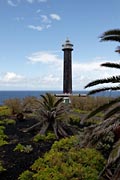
(51,115)
(110,35)
(111,122)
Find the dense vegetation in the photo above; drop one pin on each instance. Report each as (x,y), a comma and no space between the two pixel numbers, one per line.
(67,150)
(67,161)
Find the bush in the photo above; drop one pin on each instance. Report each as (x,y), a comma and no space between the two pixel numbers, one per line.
(67,161)
(22,148)
(26,175)
(88,103)
(74,120)
(3,136)
(50,136)
(9,121)
(15,105)
(5,111)
(1,167)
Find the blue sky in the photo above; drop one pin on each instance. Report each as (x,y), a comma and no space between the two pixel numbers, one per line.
(32,33)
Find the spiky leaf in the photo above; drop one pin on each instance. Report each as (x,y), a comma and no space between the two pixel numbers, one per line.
(111,65)
(115,153)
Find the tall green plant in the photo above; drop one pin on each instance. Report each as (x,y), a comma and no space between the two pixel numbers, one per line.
(51,114)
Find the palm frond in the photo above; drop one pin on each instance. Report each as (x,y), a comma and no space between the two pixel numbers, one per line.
(93,134)
(111,38)
(51,99)
(115,153)
(113,79)
(112,112)
(44,105)
(103,89)
(117,172)
(113,35)
(103,107)
(117,49)
(58,102)
(111,65)
(111,32)
(44,98)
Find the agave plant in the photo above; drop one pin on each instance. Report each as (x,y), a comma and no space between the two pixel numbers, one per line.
(111,122)
(51,115)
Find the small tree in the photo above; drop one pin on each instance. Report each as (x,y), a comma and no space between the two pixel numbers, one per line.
(51,116)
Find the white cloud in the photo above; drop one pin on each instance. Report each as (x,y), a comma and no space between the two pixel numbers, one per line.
(45,19)
(49,80)
(11,77)
(10,2)
(44,57)
(83,73)
(38,28)
(55,16)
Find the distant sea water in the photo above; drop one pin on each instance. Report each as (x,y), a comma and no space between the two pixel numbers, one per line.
(22,94)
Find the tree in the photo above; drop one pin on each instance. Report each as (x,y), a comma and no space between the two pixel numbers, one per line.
(51,114)
(111,35)
(111,121)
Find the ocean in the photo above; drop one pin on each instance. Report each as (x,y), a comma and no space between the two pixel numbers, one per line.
(22,94)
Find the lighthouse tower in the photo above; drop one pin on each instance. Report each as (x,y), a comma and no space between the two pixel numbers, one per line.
(67,72)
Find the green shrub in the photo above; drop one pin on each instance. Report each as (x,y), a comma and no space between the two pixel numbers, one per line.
(74,120)
(50,136)
(26,175)
(66,161)
(80,111)
(3,136)
(22,148)
(66,143)
(19,147)
(5,111)
(9,121)
(2,141)
(38,137)
(2,122)
(1,167)
(2,128)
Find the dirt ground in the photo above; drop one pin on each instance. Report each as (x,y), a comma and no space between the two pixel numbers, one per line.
(16,162)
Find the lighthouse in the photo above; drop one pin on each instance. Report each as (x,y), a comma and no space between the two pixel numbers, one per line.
(67,67)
